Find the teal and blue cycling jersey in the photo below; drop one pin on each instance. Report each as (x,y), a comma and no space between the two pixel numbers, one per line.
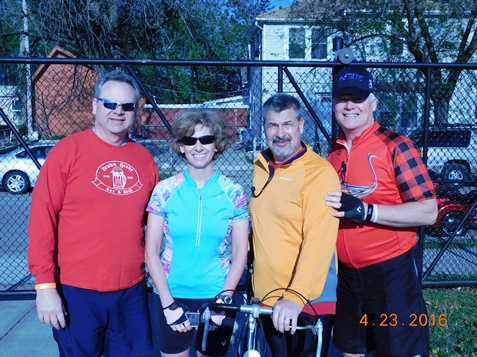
(196,247)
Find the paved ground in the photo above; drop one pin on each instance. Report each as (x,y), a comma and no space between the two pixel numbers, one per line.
(21,334)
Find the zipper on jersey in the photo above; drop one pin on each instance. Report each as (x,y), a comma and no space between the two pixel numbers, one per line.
(199,219)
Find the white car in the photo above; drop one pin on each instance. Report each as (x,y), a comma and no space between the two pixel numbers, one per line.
(451,151)
(18,172)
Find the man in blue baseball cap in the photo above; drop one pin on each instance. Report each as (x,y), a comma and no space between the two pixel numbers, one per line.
(353,80)
(386,192)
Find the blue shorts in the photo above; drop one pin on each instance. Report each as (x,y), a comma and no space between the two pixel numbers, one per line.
(105,323)
(173,342)
(378,308)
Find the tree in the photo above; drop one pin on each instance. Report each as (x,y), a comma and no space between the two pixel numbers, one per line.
(431,31)
(155,29)
(11,28)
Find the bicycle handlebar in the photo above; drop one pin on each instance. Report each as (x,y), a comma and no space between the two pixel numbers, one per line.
(254,309)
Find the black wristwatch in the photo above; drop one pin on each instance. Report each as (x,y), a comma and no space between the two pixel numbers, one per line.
(224,299)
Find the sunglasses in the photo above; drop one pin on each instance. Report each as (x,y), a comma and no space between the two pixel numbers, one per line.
(111,104)
(204,140)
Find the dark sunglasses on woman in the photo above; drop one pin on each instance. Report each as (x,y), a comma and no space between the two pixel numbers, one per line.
(204,140)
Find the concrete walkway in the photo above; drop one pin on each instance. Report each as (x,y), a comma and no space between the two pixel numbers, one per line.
(21,333)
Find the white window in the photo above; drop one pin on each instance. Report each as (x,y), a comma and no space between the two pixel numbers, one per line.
(308,43)
(16,110)
(256,48)
(319,44)
(297,43)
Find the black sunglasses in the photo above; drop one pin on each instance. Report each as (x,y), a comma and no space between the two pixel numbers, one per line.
(204,140)
(111,104)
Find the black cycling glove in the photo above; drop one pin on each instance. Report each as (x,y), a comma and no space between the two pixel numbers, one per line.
(352,207)
(172,307)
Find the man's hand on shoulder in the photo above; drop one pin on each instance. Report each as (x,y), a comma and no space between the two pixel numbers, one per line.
(50,308)
(285,315)
(347,205)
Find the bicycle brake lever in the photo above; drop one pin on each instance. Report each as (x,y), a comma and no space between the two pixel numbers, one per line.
(206,318)
(318,328)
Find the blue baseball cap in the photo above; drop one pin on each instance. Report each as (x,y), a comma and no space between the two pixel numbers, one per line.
(353,80)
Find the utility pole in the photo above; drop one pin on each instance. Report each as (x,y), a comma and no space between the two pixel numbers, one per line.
(25,52)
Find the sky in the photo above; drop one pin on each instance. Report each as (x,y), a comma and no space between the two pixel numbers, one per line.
(277,3)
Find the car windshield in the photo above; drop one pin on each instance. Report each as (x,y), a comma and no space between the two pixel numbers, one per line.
(443,138)
(39,152)
(453,138)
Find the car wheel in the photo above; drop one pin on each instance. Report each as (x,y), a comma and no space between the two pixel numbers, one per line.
(450,222)
(16,182)
(455,173)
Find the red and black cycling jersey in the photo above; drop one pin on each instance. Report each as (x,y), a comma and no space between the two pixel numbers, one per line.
(383,167)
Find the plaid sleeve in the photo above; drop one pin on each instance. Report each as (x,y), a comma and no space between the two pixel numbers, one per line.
(411,173)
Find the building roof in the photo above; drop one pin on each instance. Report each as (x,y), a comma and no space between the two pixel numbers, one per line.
(56,52)
(296,11)
(311,9)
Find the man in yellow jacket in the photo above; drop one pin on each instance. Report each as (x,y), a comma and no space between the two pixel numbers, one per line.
(294,233)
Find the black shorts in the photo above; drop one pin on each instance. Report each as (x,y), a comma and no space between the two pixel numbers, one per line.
(173,342)
(381,307)
(303,343)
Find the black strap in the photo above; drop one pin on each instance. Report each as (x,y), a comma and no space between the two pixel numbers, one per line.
(180,320)
(250,257)
(173,306)
(369,215)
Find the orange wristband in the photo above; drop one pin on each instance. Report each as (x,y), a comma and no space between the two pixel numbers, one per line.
(45,286)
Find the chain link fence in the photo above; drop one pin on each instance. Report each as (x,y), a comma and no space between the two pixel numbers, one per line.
(418,100)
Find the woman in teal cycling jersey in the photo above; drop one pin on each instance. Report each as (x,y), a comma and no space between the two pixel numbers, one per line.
(197,234)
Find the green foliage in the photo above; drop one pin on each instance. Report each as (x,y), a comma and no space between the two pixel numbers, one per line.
(459,243)
(432,31)
(429,31)
(455,337)
(11,29)
(212,31)
(153,29)
(250,157)
(57,137)
(165,174)
(22,129)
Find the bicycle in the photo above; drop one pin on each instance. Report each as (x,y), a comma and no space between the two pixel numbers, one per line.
(253,311)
